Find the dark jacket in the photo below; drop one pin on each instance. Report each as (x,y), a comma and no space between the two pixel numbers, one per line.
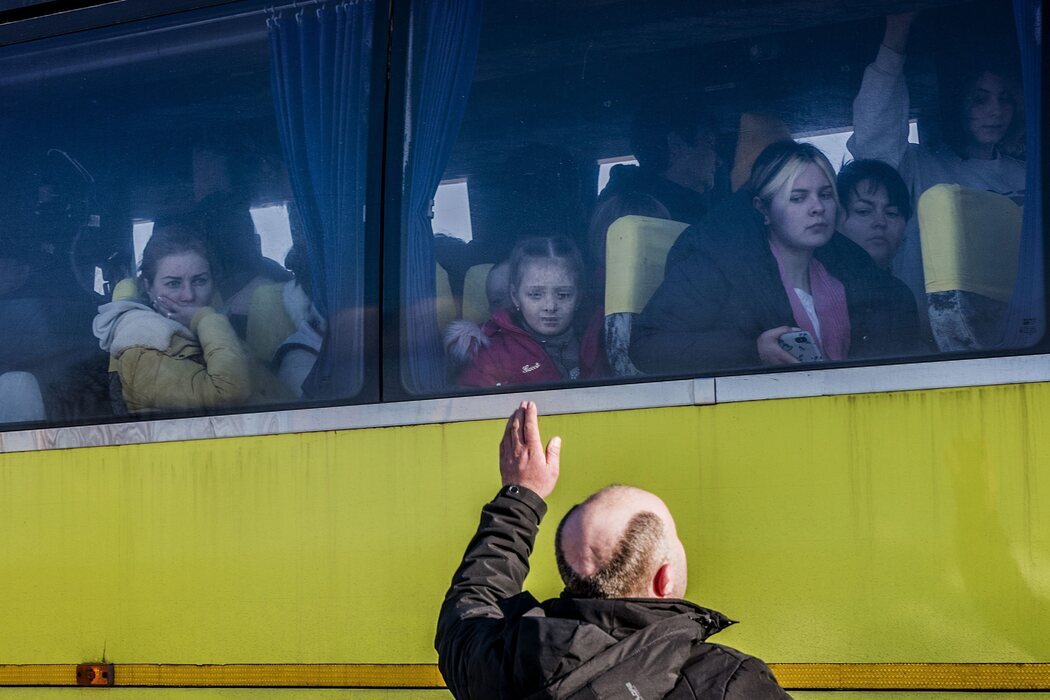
(495,642)
(512,356)
(722,290)
(682,203)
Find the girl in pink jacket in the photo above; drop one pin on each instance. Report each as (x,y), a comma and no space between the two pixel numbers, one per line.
(538,340)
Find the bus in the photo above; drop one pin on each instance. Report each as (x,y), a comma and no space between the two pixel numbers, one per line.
(356,172)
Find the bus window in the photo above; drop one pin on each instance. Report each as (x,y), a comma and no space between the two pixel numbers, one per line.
(605,166)
(727,251)
(834,143)
(452,210)
(186,243)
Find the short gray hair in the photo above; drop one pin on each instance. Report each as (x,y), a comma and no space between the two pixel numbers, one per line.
(634,560)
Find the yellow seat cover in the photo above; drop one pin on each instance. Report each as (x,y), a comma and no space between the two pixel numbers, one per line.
(636,252)
(970,241)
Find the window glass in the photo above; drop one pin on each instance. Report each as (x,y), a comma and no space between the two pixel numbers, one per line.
(274,230)
(716,244)
(178,240)
(452,210)
(605,166)
(834,143)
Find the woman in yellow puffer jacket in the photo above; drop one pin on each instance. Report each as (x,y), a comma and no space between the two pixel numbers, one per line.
(171,349)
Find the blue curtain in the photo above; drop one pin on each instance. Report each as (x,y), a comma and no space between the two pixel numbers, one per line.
(321,62)
(1026,317)
(444,47)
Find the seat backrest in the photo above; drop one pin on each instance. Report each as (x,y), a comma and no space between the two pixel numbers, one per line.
(475,300)
(268,321)
(970,241)
(125,289)
(636,252)
(443,299)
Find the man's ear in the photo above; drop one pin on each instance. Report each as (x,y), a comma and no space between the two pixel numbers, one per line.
(663,581)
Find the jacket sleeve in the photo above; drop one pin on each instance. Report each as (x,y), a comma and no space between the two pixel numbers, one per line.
(156,379)
(880,111)
(470,625)
(480,372)
(754,680)
(688,327)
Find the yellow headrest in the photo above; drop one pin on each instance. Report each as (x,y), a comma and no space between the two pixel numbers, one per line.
(268,321)
(125,289)
(970,241)
(636,252)
(475,300)
(443,299)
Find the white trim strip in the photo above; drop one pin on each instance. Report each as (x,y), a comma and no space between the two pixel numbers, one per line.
(383,415)
(689,392)
(867,380)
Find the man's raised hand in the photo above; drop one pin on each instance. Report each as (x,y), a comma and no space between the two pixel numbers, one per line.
(522,459)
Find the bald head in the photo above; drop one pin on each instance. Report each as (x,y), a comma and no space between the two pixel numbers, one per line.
(621,542)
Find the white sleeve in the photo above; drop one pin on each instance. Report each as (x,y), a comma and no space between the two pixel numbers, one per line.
(880,111)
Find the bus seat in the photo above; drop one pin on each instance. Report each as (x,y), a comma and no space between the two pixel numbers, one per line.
(443,299)
(636,251)
(475,300)
(970,246)
(125,289)
(268,322)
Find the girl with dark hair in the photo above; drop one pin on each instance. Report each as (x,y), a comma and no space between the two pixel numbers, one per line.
(982,119)
(769,264)
(874,208)
(539,340)
(171,349)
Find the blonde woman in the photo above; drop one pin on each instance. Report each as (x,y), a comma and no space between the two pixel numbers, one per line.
(768,263)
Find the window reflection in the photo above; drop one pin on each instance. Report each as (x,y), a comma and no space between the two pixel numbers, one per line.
(671,132)
(167,135)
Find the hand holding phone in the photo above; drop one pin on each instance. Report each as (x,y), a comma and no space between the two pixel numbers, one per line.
(800,345)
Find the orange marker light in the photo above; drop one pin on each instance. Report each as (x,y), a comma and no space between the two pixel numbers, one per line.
(94,674)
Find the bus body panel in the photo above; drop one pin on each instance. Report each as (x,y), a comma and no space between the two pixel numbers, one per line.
(892,527)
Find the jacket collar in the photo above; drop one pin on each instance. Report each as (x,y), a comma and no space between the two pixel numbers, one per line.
(622,617)
(501,320)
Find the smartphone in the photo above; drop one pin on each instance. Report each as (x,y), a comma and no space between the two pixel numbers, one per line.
(800,345)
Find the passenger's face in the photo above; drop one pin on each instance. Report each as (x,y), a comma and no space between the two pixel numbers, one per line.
(547,296)
(802,214)
(694,163)
(873,223)
(183,279)
(703,159)
(989,110)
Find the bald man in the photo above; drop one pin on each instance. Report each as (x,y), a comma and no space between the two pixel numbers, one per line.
(619,630)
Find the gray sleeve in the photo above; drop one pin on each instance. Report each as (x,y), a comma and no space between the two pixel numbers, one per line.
(880,111)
